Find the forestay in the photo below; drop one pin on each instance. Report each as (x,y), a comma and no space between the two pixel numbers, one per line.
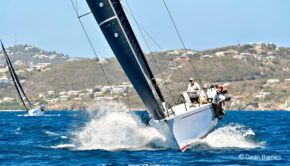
(120,36)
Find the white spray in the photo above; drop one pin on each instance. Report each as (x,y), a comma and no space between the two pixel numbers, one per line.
(114,127)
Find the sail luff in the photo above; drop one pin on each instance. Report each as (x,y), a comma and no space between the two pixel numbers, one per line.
(119,35)
(13,77)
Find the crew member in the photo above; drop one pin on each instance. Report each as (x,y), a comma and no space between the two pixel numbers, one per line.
(193,89)
(203,98)
(42,108)
(211,92)
(218,100)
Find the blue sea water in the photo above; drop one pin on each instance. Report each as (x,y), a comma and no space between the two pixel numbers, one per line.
(120,138)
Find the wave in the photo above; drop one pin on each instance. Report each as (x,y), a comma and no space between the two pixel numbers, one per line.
(231,136)
(63,146)
(50,133)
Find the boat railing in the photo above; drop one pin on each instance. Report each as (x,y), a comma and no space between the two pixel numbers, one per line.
(181,100)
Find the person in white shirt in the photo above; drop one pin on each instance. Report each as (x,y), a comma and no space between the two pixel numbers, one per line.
(203,97)
(192,92)
(193,87)
(211,92)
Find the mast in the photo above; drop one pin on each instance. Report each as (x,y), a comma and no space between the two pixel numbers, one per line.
(15,80)
(115,26)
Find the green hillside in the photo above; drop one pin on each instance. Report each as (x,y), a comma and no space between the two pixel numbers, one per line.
(246,75)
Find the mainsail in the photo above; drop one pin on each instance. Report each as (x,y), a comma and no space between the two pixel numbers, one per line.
(15,80)
(121,38)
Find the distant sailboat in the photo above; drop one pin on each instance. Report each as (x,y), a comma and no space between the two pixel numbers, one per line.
(286,104)
(19,89)
(187,122)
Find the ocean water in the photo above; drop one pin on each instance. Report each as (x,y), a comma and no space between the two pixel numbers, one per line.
(114,136)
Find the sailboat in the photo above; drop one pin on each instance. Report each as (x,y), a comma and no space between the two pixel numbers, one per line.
(286,105)
(187,122)
(19,89)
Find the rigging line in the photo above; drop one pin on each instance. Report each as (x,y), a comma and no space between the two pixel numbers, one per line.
(154,41)
(155,61)
(180,38)
(144,30)
(94,51)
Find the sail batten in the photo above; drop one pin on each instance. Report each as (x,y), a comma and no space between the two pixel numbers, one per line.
(121,38)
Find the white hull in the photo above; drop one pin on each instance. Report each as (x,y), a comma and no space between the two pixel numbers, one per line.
(190,123)
(35,112)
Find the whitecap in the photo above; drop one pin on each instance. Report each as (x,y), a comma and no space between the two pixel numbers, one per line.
(50,133)
(63,146)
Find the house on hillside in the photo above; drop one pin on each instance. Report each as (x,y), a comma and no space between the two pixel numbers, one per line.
(262,95)
(64,98)
(53,101)
(90,91)
(273,81)
(4,70)
(103,61)
(220,53)
(8,99)
(272,53)
(62,93)
(230,52)
(73,93)
(190,53)
(52,56)
(206,56)
(38,66)
(270,58)
(4,80)
(27,48)
(50,92)
(18,63)
(245,54)
(106,89)
(40,56)
(118,90)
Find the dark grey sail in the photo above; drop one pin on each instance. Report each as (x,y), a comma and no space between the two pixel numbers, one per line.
(15,80)
(120,36)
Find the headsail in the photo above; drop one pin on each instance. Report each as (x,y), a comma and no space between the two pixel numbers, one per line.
(120,36)
(15,80)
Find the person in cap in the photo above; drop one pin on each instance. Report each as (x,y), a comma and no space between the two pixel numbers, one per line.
(193,89)
(203,95)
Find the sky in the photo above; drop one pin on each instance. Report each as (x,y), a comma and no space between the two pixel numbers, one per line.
(203,24)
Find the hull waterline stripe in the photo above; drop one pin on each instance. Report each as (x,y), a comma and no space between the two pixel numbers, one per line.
(109,19)
(185,147)
(194,113)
